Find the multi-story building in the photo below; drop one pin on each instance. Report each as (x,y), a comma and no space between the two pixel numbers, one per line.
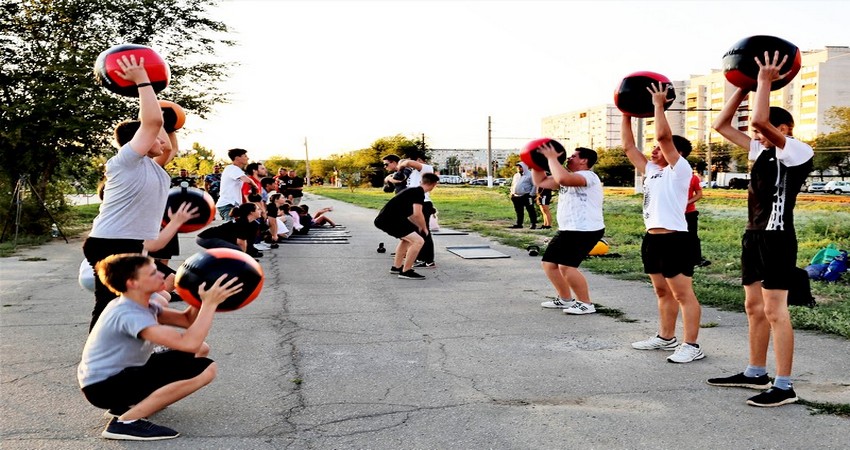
(469,159)
(597,126)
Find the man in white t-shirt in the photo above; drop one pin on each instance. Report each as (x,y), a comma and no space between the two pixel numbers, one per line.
(230,194)
(667,251)
(419,166)
(580,226)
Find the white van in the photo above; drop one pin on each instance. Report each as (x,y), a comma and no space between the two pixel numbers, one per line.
(450,179)
(837,187)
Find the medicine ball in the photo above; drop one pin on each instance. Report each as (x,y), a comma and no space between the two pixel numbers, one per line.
(208,265)
(633,97)
(197,198)
(535,160)
(106,65)
(740,68)
(173,115)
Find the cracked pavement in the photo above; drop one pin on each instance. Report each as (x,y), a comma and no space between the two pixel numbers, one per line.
(338,353)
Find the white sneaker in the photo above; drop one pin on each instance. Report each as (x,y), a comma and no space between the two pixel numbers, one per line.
(685,354)
(262,246)
(580,308)
(559,303)
(656,343)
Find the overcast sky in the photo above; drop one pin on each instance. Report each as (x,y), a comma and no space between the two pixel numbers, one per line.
(344,73)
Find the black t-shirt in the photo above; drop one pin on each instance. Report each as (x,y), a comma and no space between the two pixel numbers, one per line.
(271,210)
(292,184)
(400,207)
(773,192)
(230,231)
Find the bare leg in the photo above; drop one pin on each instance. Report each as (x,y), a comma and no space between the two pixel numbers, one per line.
(557,278)
(668,307)
(415,243)
(683,293)
(577,282)
(776,311)
(400,251)
(759,327)
(169,394)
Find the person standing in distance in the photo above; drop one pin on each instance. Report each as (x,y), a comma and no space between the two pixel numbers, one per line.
(230,193)
(667,250)
(522,188)
(580,226)
(769,245)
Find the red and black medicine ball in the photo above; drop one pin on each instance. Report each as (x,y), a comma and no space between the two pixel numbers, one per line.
(633,98)
(537,161)
(740,68)
(208,265)
(106,65)
(197,198)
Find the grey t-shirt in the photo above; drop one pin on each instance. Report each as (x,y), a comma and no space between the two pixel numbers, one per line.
(114,344)
(133,199)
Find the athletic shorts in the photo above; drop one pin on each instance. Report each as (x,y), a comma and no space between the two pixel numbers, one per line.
(669,254)
(397,229)
(569,248)
(769,257)
(134,384)
(545,198)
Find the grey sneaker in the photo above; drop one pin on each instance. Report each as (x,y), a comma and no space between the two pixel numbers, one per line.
(559,303)
(686,353)
(656,343)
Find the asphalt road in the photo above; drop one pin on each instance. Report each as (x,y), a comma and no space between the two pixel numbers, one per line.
(338,353)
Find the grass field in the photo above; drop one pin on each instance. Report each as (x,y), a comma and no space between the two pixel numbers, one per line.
(820,219)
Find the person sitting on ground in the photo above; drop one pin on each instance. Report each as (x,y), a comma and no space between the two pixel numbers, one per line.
(276,217)
(320,218)
(118,370)
(234,234)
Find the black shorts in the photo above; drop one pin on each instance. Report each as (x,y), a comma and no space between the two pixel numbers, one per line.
(769,257)
(569,248)
(397,229)
(544,198)
(669,254)
(134,384)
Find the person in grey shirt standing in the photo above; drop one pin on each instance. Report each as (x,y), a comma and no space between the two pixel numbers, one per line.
(522,190)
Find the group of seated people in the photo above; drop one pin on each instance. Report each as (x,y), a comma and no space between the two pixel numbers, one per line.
(256,226)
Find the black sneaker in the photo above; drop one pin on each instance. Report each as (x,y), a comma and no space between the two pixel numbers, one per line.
(773,397)
(423,264)
(411,275)
(140,430)
(395,270)
(274,245)
(741,380)
(514,227)
(533,226)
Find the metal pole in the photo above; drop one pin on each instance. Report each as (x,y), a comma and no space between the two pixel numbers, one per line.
(489,152)
(639,141)
(307,160)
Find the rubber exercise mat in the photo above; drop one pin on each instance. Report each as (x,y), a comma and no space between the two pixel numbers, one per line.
(448,232)
(476,252)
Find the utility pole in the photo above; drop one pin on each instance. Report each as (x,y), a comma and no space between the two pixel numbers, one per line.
(639,142)
(307,160)
(489,152)
(708,160)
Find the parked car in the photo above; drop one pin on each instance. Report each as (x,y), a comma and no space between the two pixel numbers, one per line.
(500,181)
(478,182)
(837,187)
(816,186)
(450,179)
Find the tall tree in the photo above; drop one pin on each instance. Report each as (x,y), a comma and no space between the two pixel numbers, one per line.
(53,117)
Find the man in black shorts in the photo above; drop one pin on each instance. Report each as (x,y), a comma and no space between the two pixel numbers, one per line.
(402,218)
(769,253)
(119,370)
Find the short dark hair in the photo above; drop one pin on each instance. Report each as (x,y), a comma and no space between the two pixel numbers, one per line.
(430,178)
(125,131)
(115,270)
(418,154)
(251,168)
(683,146)
(588,154)
(780,116)
(234,153)
(265,181)
(391,157)
(273,197)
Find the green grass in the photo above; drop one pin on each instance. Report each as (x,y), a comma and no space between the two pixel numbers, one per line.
(723,215)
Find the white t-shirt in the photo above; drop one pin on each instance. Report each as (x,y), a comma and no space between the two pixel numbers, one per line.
(665,195)
(230,192)
(580,207)
(133,198)
(415,178)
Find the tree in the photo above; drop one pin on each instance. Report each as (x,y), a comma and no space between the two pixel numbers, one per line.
(508,170)
(614,168)
(354,168)
(832,151)
(53,117)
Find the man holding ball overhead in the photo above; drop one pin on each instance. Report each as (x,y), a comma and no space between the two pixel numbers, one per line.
(580,225)
(666,248)
(136,187)
(769,253)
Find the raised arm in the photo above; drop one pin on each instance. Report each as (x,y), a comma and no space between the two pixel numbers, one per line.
(663,134)
(723,122)
(768,73)
(175,220)
(560,175)
(637,158)
(150,113)
(169,151)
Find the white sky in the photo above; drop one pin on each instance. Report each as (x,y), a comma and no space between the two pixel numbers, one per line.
(345,73)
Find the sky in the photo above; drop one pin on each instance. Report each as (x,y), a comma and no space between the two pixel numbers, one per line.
(342,74)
